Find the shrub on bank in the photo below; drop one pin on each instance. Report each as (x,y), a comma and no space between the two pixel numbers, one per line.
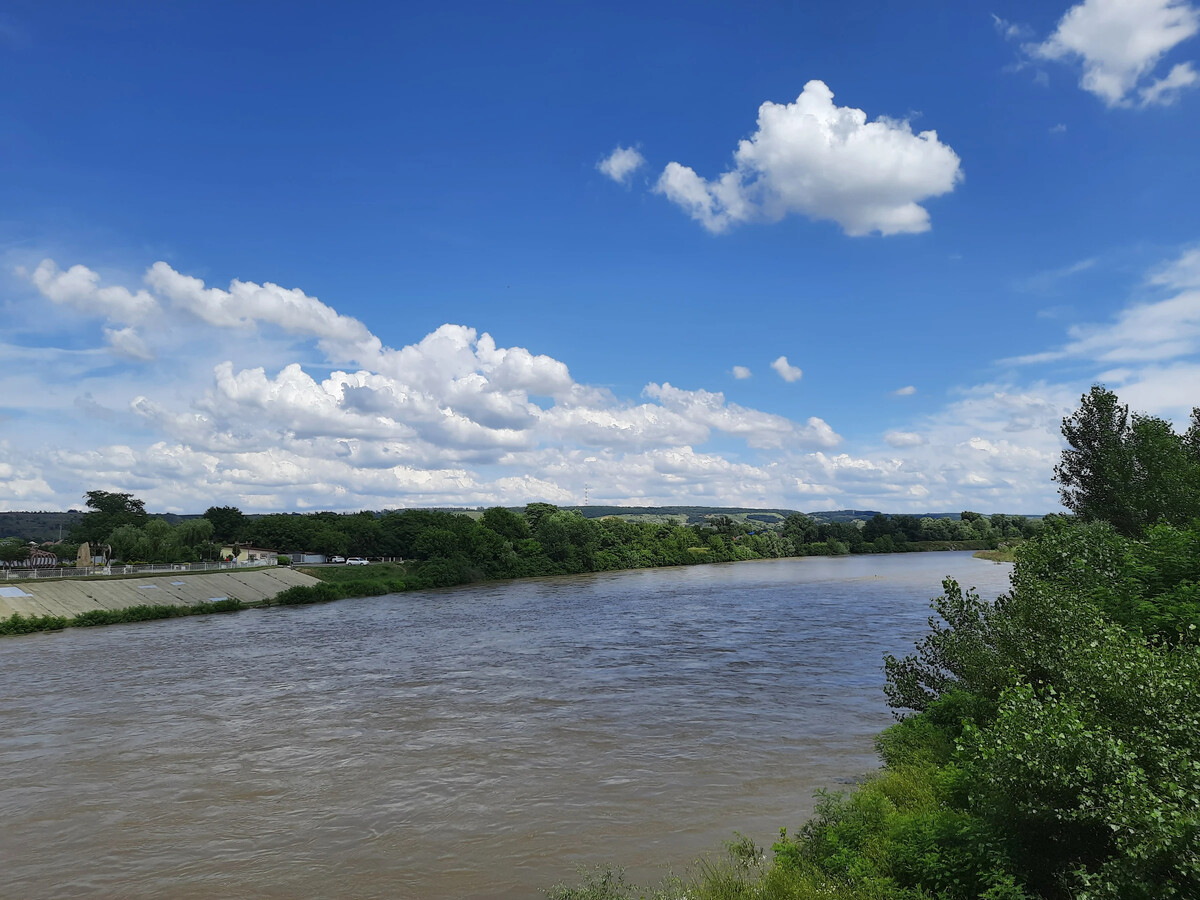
(19,624)
(328,591)
(150,613)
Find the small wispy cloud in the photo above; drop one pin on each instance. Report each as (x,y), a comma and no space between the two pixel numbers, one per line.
(1043,282)
(1011,31)
(1143,332)
(621,164)
(903,439)
(907,391)
(741,373)
(1181,273)
(786,370)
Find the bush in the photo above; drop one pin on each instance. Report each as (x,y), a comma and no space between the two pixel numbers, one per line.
(150,613)
(19,624)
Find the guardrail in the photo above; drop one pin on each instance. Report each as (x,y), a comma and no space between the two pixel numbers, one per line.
(20,573)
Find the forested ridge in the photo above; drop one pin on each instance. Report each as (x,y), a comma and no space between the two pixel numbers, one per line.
(1048,743)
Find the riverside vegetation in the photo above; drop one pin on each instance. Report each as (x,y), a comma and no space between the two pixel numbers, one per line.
(442,548)
(1047,744)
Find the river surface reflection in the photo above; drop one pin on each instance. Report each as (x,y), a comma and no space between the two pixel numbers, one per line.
(478,742)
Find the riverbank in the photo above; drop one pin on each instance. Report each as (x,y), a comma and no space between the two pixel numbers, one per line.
(1008,555)
(69,598)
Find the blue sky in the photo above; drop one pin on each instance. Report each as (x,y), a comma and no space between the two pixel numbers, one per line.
(947,222)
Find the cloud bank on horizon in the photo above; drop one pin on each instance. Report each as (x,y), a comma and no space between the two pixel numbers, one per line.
(453,418)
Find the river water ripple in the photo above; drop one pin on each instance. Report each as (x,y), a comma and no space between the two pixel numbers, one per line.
(476,743)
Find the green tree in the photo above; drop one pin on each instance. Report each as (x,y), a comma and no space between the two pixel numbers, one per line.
(192,533)
(1129,471)
(228,523)
(108,512)
(505,523)
(1096,471)
(535,512)
(13,549)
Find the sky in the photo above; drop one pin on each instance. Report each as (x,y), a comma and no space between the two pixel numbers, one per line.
(352,256)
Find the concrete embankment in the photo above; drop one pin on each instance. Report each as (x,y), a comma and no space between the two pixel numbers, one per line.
(70,597)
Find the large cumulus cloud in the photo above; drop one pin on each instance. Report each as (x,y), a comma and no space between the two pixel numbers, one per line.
(822,161)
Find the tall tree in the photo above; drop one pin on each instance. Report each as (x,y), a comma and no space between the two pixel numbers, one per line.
(1096,471)
(109,511)
(228,522)
(1128,471)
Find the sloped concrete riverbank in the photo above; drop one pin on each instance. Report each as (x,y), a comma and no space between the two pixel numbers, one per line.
(72,597)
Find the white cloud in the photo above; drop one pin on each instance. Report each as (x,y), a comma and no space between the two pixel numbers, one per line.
(1180,273)
(453,405)
(453,418)
(906,391)
(741,373)
(903,439)
(621,164)
(246,304)
(786,370)
(78,287)
(824,162)
(1165,91)
(1120,42)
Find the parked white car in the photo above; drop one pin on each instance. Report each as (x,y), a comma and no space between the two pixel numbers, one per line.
(356,561)
(337,559)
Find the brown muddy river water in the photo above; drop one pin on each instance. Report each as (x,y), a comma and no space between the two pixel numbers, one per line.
(477,743)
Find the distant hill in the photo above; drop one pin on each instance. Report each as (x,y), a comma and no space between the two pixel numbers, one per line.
(695,515)
(37,526)
(44,526)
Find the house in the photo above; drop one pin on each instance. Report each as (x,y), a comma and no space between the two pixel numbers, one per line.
(250,554)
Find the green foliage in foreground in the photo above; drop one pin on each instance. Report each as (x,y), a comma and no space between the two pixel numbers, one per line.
(1050,749)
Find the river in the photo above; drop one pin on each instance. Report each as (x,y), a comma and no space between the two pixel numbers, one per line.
(470,743)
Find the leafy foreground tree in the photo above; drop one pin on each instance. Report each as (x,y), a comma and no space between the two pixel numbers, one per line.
(1049,743)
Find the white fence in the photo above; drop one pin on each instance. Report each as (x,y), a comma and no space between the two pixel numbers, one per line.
(82,571)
